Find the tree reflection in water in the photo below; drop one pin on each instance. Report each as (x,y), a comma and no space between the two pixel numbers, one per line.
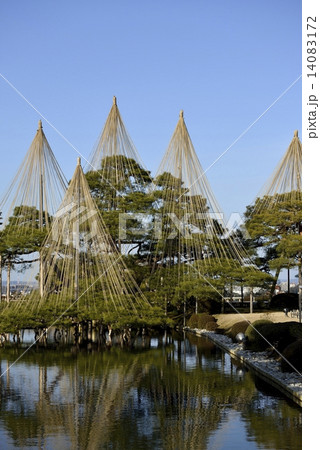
(170,393)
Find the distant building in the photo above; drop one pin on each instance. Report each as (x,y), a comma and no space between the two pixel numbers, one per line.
(283,287)
(19,286)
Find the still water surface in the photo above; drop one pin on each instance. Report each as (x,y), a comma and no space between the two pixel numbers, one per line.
(168,392)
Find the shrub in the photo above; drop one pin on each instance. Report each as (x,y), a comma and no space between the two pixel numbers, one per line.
(193,321)
(254,332)
(279,335)
(238,327)
(202,321)
(293,353)
(211,326)
(288,333)
(288,300)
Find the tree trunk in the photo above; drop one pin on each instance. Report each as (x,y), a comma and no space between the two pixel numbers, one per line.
(76,244)
(300,289)
(8,281)
(223,300)
(288,280)
(222,305)
(273,287)
(251,300)
(0,278)
(40,276)
(41,226)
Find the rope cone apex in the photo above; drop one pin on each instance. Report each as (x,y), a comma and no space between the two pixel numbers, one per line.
(39,182)
(115,153)
(285,180)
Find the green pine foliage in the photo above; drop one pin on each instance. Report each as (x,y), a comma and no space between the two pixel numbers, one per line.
(186,282)
(274,224)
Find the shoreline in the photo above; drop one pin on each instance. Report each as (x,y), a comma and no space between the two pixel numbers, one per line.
(267,368)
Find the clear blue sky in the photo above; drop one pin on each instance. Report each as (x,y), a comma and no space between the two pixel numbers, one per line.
(223,63)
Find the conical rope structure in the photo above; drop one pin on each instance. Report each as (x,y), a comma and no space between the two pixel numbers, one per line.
(285,183)
(193,225)
(39,183)
(113,141)
(117,178)
(195,255)
(28,205)
(83,271)
(277,214)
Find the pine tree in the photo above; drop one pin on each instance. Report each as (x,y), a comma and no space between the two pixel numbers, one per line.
(275,225)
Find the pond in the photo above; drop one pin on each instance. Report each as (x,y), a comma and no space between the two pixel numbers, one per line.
(164,392)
